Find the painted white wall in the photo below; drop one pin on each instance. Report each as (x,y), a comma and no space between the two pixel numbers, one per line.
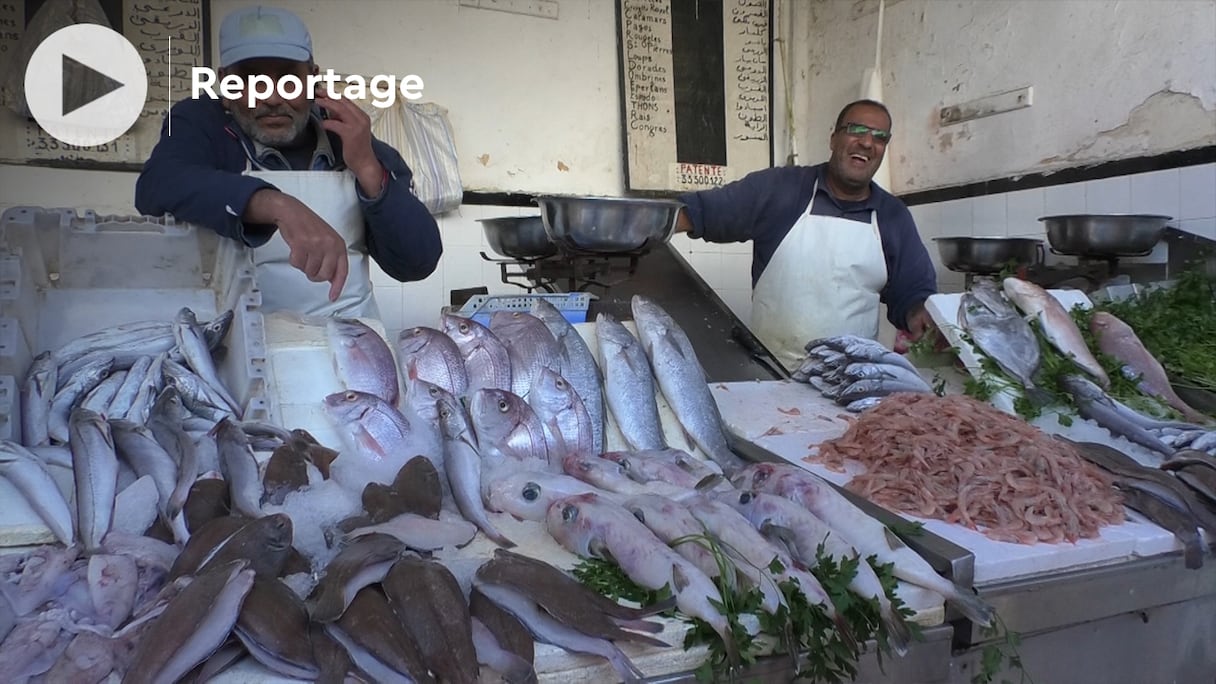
(1112,79)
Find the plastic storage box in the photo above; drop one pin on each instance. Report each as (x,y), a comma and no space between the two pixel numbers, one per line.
(572,305)
(63,275)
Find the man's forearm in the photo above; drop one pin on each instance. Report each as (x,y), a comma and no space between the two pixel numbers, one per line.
(265,207)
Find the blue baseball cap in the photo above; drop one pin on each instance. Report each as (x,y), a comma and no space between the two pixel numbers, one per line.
(263,32)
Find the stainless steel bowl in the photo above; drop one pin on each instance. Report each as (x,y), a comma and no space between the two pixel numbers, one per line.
(1105,235)
(608,225)
(518,237)
(988,255)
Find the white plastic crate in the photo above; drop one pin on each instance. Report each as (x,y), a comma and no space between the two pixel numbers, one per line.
(63,275)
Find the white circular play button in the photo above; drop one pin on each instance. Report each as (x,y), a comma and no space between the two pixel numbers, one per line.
(86,85)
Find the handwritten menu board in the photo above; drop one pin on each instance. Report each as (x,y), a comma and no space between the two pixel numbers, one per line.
(170,35)
(696,85)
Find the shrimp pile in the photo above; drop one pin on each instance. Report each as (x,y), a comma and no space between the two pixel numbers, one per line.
(962,461)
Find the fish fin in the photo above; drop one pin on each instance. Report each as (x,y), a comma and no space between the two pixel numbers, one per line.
(678,578)
(972,606)
(709,482)
(898,634)
(893,539)
(638,625)
(1038,396)
(1192,554)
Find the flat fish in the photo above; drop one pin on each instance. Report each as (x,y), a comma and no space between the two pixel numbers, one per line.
(371,624)
(428,600)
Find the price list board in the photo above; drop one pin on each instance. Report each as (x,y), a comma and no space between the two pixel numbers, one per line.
(696,91)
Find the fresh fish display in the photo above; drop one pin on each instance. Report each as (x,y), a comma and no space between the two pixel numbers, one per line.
(378,641)
(464,470)
(568,426)
(383,438)
(427,599)
(578,367)
(240,468)
(95,468)
(629,385)
(486,360)
(273,628)
(682,381)
(530,346)
(1055,323)
(677,527)
(28,474)
(1000,332)
(429,354)
(527,495)
(77,386)
(197,354)
(362,359)
(1097,405)
(508,428)
(1117,340)
(856,372)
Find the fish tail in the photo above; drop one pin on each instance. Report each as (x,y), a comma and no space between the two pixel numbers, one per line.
(639,625)
(1037,395)
(496,536)
(972,606)
(843,629)
(1192,553)
(898,634)
(624,666)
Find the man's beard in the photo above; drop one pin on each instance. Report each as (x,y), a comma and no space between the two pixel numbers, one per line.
(247,120)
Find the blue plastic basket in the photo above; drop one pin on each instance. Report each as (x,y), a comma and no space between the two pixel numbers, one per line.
(572,305)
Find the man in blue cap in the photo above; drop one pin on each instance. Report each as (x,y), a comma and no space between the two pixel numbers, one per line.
(301,182)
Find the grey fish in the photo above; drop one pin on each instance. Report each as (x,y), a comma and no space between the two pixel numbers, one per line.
(865,370)
(239,467)
(76,387)
(99,399)
(428,354)
(151,385)
(864,404)
(190,340)
(136,445)
(683,382)
(568,425)
(37,394)
(165,423)
(530,346)
(362,358)
(27,473)
(629,385)
(365,561)
(384,438)
(578,365)
(136,508)
(89,657)
(193,626)
(1095,404)
(845,348)
(273,627)
(198,395)
(810,366)
(463,465)
(1002,335)
(877,387)
(422,533)
(370,623)
(486,359)
(134,334)
(120,405)
(507,427)
(95,470)
(512,668)
(427,599)
(825,388)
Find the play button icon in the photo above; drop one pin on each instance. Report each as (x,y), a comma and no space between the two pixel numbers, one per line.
(86,85)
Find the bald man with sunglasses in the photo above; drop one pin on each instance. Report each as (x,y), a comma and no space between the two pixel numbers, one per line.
(829,245)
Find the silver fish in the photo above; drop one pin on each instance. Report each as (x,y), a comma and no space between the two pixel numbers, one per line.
(134,334)
(151,385)
(423,398)
(866,370)
(682,381)
(135,507)
(529,344)
(486,360)
(527,495)
(675,525)
(164,421)
(99,399)
(190,340)
(78,386)
(383,437)
(507,427)
(1097,405)
(422,533)
(578,367)
(240,468)
(362,358)
(463,466)
(1001,334)
(568,425)
(37,393)
(95,469)
(629,385)
(428,354)
(1057,326)
(141,450)
(877,387)
(120,405)
(28,474)
(197,394)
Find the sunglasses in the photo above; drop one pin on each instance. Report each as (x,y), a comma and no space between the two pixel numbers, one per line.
(857,130)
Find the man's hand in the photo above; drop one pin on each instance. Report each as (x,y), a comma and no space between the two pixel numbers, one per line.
(920,323)
(316,248)
(354,127)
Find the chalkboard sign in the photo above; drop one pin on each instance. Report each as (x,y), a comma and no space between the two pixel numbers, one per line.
(170,35)
(696,91)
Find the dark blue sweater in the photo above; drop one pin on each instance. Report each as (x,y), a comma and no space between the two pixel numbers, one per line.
(196,175)
(763,206)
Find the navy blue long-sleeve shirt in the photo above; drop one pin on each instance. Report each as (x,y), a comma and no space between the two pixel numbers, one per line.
(196,175)
(764,205)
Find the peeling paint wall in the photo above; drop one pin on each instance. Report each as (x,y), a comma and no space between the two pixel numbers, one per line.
(1111,80)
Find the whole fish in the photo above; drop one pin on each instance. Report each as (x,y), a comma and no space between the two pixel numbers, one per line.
(95,470)
(1179,522)
(1000,333)
(629,385)
(265,543)
(362,358)
(868,535)
(99,399)
(364,562)
(37,394)
(530,346)
(136,445)
(865,370)
(273,627)
(27,473)
(36,576)
(507,427)
(592,527)
(423,396)
(286,472)
(512,668)
(137,508)
(428,354)
(135,334)
(198,395)
(486,360)
(568,427)
(1117,340)
(207,540)
(510,633)
(527,495)
(384,438)
(428,600)
(676,526)
(76,387)
(378,635)
(877,387)
(578,367)
(673,466)
(843,349)
(120,405)
(1098,406)
(421,533)
(682,381)
(610,476)
(164,421)
(190,340)
(1057,326)
(239,467)
(463,466)
(152,384)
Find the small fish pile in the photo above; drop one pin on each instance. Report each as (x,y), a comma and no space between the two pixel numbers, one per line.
(960,460)
(857,372)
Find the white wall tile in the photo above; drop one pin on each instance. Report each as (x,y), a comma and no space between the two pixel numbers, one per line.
(460,228)
(737,247)
(928,218)
(1023,210)
(956,218)
(1197,189)
(739,300)
(708,265)
(1064,199)
(736,271)
(462,269)
(388,299)
(988,216)
(682,243)
(703,247)
(1155,192)
(421,302)
(1201,226)
(1108,195)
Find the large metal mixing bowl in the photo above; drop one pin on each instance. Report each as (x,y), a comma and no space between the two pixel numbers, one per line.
(608,225)
(1104,235)
(988,255)
(518,237)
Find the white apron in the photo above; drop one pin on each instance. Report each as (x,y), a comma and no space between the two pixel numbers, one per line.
(824,279)
(331,195)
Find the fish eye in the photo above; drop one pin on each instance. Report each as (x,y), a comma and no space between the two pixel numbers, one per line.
(745,497)
(531,491)
(503,405)
(434,391)
(561,384)
(570,513)
(351,396)
(463,327)
(640,516)
(445,412)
